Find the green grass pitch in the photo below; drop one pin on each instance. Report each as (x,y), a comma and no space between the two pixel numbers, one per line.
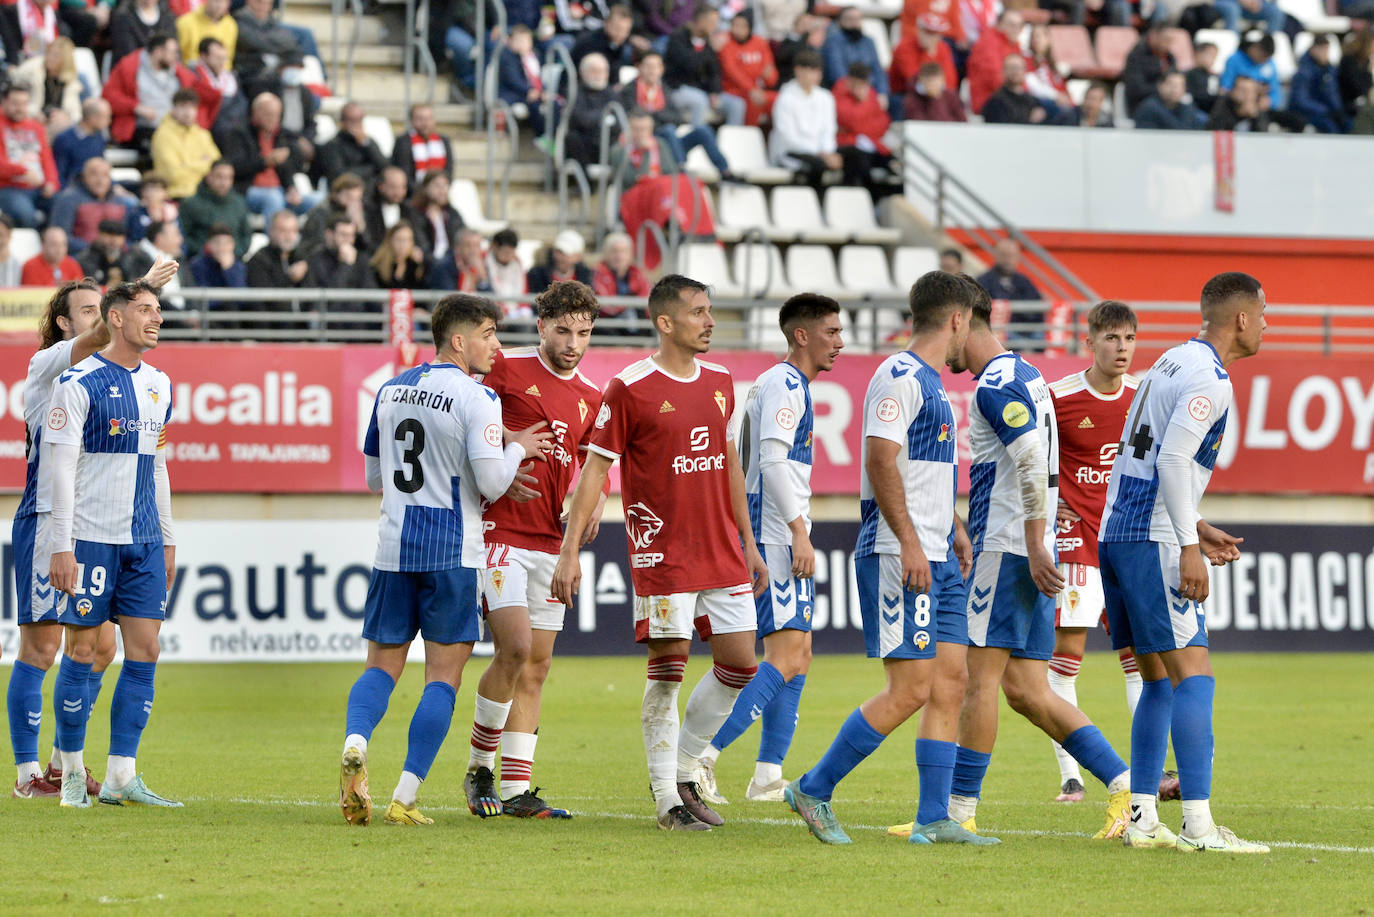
(253,751)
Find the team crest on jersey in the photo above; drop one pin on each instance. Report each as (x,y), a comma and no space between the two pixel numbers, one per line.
(888,410)
(1015,414)
(582,409)
(114,392)
(643,525)
(720,402)
(603,416)
(663,608)
(498,579)
(944,433)
(57,419)
(83,607)
(534,390)
(153,393)
(492,434)
(787,418)
(1072,599)
(921,639)
(1200,408)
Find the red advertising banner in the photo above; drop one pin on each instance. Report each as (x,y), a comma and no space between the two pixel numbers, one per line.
(290,419)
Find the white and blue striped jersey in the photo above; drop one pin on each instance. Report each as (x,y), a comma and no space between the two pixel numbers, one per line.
(1183,401)
(1010,401)
(906,403)
(428,425)
(778,408)
(44,368)
(118,417)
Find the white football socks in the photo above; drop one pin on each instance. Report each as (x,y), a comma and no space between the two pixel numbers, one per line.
(488,719)
(120,771)
(517,762)
(962,808)
(1197,818)
(766,773)
(659,721)
(407,789)
(707,710)
(358,742)
(1144,815)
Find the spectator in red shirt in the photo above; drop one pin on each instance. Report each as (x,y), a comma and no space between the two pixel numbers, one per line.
(985,61)
(747,68)
(948,10)
(931,100)
(141,86)
(28,174)
(862,121)
(926,46)
(618,275)
(52,266)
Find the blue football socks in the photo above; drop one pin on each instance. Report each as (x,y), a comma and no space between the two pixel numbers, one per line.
(97,679)
(935,773)
(855,741)
(367,702)
(1090,748)
(1150,735)
(780,721)
(25,703)
(69,698)
(130,706)
(969,769)
(749,705)
(429,726)
(1192,733)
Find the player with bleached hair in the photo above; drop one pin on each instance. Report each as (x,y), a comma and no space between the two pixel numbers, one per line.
(692,550)
(435,448)
(1153,552)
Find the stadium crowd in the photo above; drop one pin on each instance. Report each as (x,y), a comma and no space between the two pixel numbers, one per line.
(201,141)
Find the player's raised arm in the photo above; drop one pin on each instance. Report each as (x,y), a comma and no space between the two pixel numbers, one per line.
(567,575)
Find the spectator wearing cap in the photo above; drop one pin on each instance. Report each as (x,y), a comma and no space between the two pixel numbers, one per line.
(747,68)
(861,123)
(52,266)
(1202,83)
(182,149)
(583,140)
(847,44)
(926,45)
(564,263)
(647,94)
(1091,113)
(101,258)
(1166,110)
(618,275)
(421,149)
(141,87)
(1235,12)
(613,40)
(1254,60)
(83,141)
(351,149)
(804,125)
(505,273)
(218,265)
(463,269)
(87,202)
(930,99)
(133,23)
(1314,93)
(211,20)
(986,60)
(1005,281)
(692,71)
(28,174)
(1148,60)
(1013,104)
(216,203)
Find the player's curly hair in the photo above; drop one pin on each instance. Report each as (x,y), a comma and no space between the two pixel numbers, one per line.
(564,298)
(457,310)
(1109,315)
(121,294)
(60,306)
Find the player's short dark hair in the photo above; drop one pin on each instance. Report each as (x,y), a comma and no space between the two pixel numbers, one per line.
(803,309)
(982,303)
(808,58)
(60,306)
(506,238)
(185,96)
(934,296)
(669,292)
(1222,288)
(1110,314)
(121,294)
(459,310)
(206,44)
(564,298)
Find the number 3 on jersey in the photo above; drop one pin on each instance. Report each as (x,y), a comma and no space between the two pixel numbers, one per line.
(410,477)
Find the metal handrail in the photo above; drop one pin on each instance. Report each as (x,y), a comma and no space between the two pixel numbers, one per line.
(417,46)
(967,205)
(574,168)
(557,129)
(336,12)
(752,236)
(495,105)
(480,67)
(613,114)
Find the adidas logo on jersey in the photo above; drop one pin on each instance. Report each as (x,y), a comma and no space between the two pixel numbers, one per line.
(534,390)
(1085,424)
(666,408)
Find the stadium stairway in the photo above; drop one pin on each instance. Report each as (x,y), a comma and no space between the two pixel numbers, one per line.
(379,86)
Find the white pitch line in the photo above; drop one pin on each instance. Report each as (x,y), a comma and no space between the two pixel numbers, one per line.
(757,820)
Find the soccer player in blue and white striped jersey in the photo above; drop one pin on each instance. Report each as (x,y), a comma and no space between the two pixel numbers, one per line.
(776,450)
(112,550)
(1012,501)
(1153,550)
(435,449)
(911,590)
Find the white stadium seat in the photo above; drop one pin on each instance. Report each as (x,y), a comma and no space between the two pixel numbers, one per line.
(1227,43)
(744,207)
(462,194)
(796,208)
(87,67)
(24,244)
(882,42)
(864,272)
(909,262)
(812,268)
(1303,43)
(1313,16)
(1284,62)
(699,164)
(378,128)
(851,210)
(325,128)
(758,270)
(256,244)
(744,150)
(705,261)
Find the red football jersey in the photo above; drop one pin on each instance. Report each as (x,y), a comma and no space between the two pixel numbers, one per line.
(1090,425)
(670,437)
(532,391)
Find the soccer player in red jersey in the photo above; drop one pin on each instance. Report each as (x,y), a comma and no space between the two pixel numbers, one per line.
(666,418)
(1091,408)
(522,532)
